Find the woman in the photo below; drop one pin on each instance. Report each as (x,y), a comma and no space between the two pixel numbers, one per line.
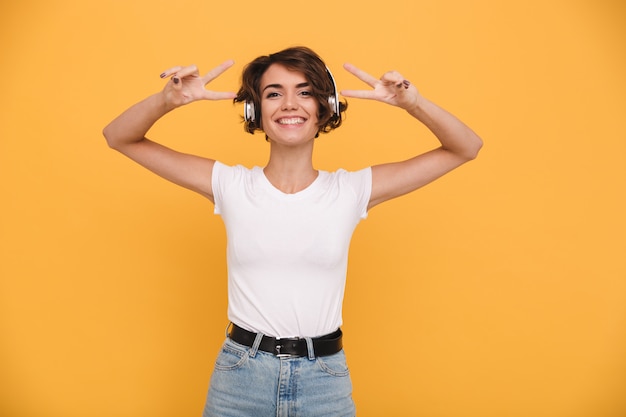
(288,224)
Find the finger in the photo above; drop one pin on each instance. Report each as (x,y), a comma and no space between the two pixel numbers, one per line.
(187,71)
(170,71)
(217,71)
(220,95)
(360,74)
(364,94)
(392,78)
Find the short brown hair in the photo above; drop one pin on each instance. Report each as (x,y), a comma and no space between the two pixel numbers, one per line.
(304,60)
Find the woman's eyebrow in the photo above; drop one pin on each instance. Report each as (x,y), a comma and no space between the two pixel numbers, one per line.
(279,86)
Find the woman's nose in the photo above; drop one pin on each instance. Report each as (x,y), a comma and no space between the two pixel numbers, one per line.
(289,102)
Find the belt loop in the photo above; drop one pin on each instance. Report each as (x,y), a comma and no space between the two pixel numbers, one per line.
(309,347)
(228,327)
(255,346)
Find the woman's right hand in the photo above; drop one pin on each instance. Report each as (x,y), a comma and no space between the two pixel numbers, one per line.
(186,85)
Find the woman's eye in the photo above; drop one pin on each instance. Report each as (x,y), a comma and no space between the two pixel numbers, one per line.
(272,95)
(306,93)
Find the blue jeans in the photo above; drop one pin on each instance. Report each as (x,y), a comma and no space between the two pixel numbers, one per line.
(247,382)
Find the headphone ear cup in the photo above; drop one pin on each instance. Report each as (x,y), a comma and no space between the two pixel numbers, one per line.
(334,99)
(248,112)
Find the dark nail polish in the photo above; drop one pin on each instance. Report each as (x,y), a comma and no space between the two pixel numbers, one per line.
(176,80)
(162,75)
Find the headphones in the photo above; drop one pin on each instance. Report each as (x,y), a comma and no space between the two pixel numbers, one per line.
(249,112)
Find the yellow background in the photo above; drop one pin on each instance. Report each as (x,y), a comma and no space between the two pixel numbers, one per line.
(498,291)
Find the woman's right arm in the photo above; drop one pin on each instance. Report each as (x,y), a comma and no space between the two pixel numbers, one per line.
(127,132)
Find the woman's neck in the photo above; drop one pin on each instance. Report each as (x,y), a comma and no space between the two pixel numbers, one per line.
(290,170)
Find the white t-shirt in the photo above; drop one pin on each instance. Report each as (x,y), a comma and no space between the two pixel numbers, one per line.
(288,253)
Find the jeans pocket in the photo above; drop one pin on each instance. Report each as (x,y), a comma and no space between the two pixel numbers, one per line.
(231,357)
(334,365)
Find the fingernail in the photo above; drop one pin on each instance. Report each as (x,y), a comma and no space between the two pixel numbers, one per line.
(406,83)
(163,75)
(176,80)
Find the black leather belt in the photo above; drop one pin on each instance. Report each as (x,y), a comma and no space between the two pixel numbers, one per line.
(322,346)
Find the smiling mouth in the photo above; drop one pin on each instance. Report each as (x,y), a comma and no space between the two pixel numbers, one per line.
(290,121)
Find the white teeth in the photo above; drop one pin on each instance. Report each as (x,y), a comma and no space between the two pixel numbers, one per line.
(291,121)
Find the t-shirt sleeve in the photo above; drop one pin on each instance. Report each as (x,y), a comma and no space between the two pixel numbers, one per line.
(221,177)
(361,183)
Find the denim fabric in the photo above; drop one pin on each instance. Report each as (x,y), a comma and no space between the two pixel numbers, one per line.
(252,383)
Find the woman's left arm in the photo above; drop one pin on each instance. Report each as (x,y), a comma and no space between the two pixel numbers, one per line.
(459,143)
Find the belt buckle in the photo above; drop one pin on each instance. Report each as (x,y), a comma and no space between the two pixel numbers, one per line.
(277,347)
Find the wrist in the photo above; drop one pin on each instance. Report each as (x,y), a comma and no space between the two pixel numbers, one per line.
(418,107)
(161,102)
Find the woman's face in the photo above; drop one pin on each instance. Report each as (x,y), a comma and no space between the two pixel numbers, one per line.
(288,108)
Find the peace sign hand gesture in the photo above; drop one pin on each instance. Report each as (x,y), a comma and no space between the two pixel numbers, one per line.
(186,85)
(391,88)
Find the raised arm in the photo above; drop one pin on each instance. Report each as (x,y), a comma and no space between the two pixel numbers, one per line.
(127,132)
(459,143)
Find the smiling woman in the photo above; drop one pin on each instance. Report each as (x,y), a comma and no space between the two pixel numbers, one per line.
(288,108)
(505,280)
(321,85)
(289,225)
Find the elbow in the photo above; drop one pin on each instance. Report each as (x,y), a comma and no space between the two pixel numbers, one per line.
(477,148)
(477,145)
(109,137)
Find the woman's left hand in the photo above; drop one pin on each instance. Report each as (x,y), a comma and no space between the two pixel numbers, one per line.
(392,88)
